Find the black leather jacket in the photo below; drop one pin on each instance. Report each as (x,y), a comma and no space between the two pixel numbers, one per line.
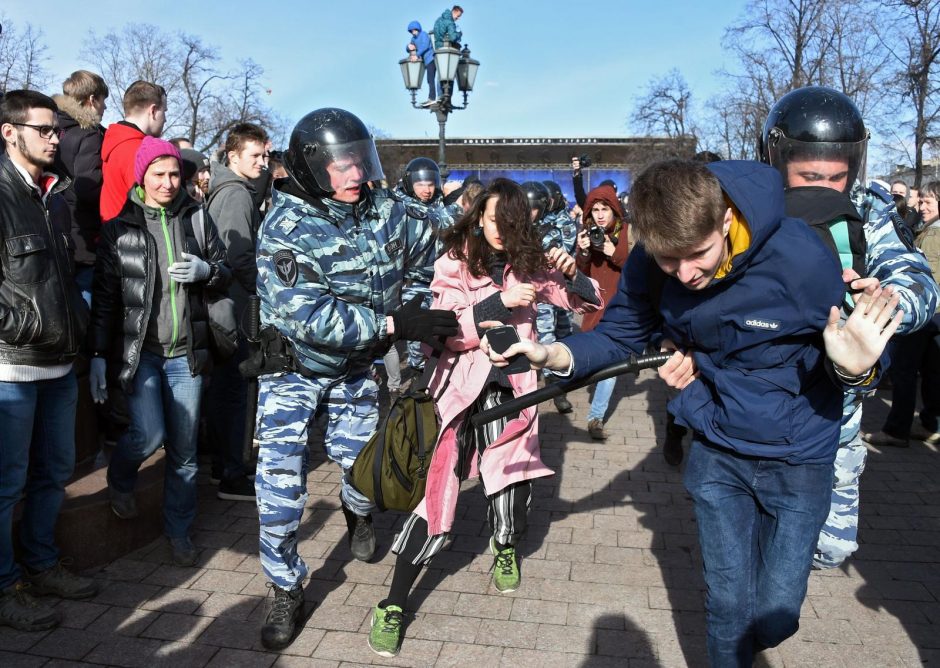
(42,315)
(124,284)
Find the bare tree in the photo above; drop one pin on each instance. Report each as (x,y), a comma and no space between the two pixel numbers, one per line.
(140,51)
(23,57)
(781,45)
(730,127)
(915,51)
(665,108)
(203,100)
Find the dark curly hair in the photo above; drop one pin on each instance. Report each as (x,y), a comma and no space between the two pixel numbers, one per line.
(520,237)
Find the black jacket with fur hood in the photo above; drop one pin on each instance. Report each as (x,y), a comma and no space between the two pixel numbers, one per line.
(79,159)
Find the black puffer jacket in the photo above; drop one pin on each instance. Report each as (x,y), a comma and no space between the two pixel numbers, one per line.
(124,284)
(42,315)
(79,158)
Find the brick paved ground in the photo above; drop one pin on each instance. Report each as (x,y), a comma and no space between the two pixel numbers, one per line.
(611,575)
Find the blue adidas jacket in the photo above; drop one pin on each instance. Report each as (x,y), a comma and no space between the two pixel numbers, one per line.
(764,389)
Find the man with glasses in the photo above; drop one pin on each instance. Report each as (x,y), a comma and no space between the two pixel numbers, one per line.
(42,321)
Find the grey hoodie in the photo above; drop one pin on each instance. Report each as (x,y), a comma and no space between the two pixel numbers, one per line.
(231,207)
(168,324)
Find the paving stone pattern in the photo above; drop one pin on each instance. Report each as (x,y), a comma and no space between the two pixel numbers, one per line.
(611,574)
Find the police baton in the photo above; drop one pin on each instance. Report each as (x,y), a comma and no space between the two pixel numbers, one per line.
(633,365)
(254,331)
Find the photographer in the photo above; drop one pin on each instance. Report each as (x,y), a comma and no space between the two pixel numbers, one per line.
(603,245)
(577,179)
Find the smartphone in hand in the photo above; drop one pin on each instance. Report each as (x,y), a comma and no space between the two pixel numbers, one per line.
(500,339)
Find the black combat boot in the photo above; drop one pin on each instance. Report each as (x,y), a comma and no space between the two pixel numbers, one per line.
(281,622)
(361,534)
(562,405)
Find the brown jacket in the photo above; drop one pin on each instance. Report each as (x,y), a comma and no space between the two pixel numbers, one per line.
(606,271)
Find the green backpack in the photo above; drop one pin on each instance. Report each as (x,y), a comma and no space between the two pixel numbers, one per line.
(391,470)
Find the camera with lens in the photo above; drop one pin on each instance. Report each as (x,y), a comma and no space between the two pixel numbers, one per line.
(597,236)
(585,160)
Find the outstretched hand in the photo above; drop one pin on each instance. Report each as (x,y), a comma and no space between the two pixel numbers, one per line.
(856,346)
(536,352)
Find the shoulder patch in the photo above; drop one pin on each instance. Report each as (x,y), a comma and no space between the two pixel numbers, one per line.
(285,266)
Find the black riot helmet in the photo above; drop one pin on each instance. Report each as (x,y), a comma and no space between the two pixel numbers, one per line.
(556,195)
(538,197)
(812,124)
(335,139)
(421,170)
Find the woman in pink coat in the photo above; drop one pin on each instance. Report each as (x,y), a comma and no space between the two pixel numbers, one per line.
(493,272)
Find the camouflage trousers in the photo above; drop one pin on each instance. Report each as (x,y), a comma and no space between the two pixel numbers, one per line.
(415,356)
(287,405)
(838,537)
(551,323)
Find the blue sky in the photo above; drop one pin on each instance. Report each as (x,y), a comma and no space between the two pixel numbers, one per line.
(554,69)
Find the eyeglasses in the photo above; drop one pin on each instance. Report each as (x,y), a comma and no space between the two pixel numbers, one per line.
(45,131)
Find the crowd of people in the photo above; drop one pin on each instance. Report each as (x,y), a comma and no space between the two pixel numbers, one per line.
(181,283)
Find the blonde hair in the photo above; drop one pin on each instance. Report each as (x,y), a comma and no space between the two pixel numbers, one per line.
(82,84)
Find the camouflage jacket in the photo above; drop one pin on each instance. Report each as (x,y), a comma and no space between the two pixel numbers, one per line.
(329,274)
(567,227)
(549,232)
(895,261)
(421,215)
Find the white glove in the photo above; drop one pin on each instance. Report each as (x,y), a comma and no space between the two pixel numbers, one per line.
(97,381)
(189,270)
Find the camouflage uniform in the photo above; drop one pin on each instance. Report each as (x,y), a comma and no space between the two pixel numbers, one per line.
(328,275)
(552,322)
(893,263)
(422,217)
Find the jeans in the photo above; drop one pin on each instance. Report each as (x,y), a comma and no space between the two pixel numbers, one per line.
(431,69)
(602,393)
(164,409)
(758,522)
(37,432)
(226,405)
(913,354)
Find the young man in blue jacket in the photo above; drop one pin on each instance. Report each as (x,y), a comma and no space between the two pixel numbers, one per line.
(762,363)
(420,47)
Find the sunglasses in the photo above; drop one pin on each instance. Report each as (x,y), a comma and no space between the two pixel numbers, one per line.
(45,131)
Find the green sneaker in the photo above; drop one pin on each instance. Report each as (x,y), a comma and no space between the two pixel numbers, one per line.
(506,569)
(385,636)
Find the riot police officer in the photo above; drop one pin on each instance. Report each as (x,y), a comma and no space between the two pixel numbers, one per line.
(816,138)
(420,191)
(541,205)
(332,255)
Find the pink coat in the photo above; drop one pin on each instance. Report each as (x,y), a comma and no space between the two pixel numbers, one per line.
(514,456)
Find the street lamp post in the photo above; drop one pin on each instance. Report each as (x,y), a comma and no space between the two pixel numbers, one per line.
(454,69)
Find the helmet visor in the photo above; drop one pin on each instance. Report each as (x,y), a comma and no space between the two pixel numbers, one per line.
(344,166)
(426,176)
(835,165)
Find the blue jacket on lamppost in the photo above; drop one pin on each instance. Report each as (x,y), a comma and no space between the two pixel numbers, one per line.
(422,43)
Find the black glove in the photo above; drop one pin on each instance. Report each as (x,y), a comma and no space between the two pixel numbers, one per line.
(430,326)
